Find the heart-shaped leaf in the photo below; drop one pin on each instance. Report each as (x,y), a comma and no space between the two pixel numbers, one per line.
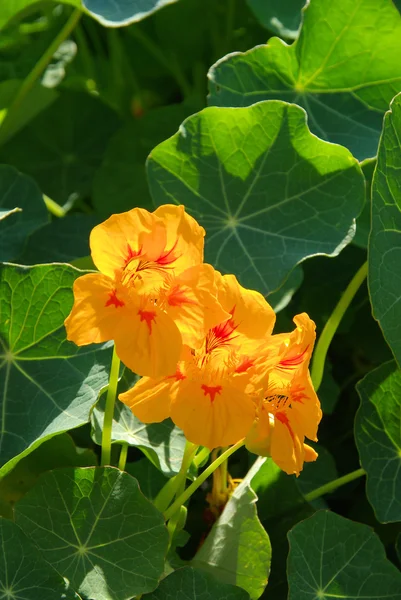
(269,193)
(96,529)
(343,69)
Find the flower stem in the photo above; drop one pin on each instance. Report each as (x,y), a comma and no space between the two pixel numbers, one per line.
(201,457)
(202,477)
(327,488)
(123,456)
(36,72)
(54,208)
(332,324)
(109,410)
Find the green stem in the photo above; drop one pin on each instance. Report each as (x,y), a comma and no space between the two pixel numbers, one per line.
(123,456)
(109,410)
(332,324)
(199,480)
(54,208)
(37,71)
(201,457)
(327,488)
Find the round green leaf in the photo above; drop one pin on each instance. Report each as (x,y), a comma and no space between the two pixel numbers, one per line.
(193,584)
(269,193)
(384,276)
(332,557)
(116,13)
(378,437)
(96,529)
(22,211)
(24,575)
(343,69)
(280,16)
(162,442)
(49,385)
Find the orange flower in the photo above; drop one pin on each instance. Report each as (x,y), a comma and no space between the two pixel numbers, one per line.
(289,409)
(152,293)
(207,396)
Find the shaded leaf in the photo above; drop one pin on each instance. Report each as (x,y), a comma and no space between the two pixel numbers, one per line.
(237,550)
(24,575)
(384,277)
(343,69)
(49,385)
(116,13)
(318,473)
(59,451)
(364,221)
(163,443)
(377,435)
(280,16)
(334,557)
(96,529)
(22,211)
(63,146)
(193,584)
(268,192)
(150,479)
(12,9)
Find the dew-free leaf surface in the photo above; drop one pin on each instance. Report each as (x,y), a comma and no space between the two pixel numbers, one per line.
(193,584)
(22,211)
(384,275)
(48,385)
(377,435)
(237,550)
(332,557)
(268,193)
(282,17)
(98,530)
(116,13)
(12,8)
(163,443)
(343,69)
(24,574)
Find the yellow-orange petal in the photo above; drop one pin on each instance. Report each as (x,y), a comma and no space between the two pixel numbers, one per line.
(305,404)
(251,314)
(287,444)
(149,399)
(191,300)
(258,439)
(212,415)
(297,347)
(98,311)
(184,234)
(150,343)
(310,455)
(121,237)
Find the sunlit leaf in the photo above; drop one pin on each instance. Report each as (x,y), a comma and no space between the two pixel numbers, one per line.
(193,584)
(116,13)
(378,437)
(333,557)
(24,574)
(268,192)
(237,550)
(343,69)
(98,530)
(385,239)
(22,211)
(49,385)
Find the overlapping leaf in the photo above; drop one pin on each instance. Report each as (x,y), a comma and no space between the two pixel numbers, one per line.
(343,69)
(98,530)
(332,557)
(116,13)
(377,434)
(22,211)
(162,442)
(384,276)
(48,384)
(280,16)
(24,575)
(238,550)
(268,192)
(193,584)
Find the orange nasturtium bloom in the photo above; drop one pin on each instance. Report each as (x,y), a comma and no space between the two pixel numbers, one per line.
(288,409)
(207,396)
(152,295)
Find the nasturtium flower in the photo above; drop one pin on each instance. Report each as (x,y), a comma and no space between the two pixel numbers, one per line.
(153,293)
(207,397)
(288,409)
